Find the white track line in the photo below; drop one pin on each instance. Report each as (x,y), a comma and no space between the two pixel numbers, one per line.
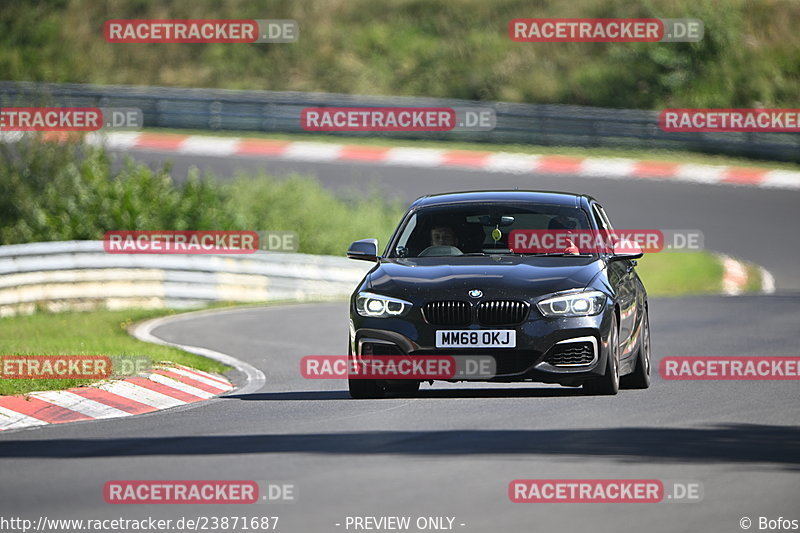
(255,378)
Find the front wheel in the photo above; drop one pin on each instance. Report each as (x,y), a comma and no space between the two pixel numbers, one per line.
(365,389)
(608,383)
(406,386)
(640,377)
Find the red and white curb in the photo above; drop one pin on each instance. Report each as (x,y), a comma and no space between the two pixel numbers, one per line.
(161,388)
(164,387)
(735,277)
(498,162)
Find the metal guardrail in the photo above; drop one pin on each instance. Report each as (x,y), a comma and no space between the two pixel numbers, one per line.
(279,112)
(81,275)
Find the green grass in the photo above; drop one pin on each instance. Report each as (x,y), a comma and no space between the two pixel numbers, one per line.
(688,273)
(675,156)
(84,333)
(680,273)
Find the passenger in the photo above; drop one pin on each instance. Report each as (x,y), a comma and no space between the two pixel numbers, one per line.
(561,224)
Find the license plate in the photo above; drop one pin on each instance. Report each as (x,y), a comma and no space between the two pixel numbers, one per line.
(480,338)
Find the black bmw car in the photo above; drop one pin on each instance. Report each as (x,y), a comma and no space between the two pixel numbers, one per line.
(450,283)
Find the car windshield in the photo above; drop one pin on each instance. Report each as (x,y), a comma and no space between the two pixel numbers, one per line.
(458,230)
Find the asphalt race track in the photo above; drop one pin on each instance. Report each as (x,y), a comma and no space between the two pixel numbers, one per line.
(453,449)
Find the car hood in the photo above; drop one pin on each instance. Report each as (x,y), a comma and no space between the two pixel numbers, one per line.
(495,276)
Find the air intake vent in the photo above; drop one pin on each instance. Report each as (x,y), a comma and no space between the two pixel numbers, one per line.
(447,313)
(571,354)
(502,312)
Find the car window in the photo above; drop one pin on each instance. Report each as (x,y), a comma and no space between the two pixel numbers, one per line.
(457,230)
(408,229)
(602,212)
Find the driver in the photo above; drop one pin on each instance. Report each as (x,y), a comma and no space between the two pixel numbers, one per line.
(443,236)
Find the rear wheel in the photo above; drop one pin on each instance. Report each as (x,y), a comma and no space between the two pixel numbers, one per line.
(640,377)
(608,384)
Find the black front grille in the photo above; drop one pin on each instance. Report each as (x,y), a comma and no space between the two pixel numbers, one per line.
(570,353)
(502,312)
(447,313)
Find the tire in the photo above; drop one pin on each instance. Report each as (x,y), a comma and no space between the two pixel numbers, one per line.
(365,389)
(608,383)
(640,377)
(407,387)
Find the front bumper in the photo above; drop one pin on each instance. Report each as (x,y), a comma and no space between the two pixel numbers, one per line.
(568,351)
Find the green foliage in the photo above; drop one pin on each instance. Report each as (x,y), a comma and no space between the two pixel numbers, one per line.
(326,222)
(750,54)
(681,273)
(63,191)
(92,333)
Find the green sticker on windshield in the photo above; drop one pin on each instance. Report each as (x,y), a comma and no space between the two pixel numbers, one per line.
(496,234)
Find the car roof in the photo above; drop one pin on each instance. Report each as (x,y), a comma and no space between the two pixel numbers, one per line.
(534,197)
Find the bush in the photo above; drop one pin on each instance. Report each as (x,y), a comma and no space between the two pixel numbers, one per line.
(64,191)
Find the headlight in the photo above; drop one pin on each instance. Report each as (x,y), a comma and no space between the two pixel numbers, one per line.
(378,306)
(575,304)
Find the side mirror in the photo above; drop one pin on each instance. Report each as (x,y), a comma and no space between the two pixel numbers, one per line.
(626,249)
(364,250)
